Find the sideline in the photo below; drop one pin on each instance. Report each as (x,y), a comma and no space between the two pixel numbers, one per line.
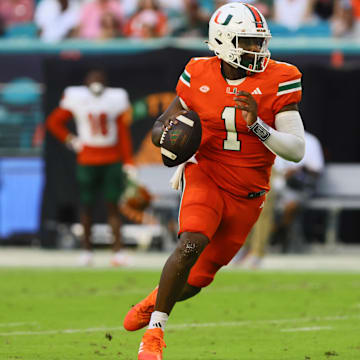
(341,259)
(202,325)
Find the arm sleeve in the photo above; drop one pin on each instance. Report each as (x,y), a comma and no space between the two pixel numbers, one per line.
(125,143)
(56,123)
(287,140)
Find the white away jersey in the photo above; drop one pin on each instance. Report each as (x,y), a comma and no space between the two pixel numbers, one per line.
(95,116)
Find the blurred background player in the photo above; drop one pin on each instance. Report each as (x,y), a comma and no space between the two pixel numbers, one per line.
(247,104)
(255,247)
(298,185)
(281,221)
(102,144)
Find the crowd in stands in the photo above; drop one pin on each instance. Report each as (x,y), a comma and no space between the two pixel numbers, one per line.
(55,20)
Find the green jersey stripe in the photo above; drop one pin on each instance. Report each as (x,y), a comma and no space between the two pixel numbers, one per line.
(184,81)
(186,76)
(288,91)
(295,85)
(289,82)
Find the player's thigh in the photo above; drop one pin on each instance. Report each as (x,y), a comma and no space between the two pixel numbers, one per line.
(87,177)
(238,218)
(113,182)
(201,204)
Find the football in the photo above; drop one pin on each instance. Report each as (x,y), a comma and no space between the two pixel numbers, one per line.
(181,141)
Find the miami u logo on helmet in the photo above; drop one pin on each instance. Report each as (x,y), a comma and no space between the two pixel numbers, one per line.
(227,20)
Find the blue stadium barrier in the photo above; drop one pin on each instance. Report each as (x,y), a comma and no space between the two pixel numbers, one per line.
(21,186)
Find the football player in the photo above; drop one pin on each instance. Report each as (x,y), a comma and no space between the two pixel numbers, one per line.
(103,147)
(248,108)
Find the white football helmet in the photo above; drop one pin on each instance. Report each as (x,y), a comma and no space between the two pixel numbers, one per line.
(233,22)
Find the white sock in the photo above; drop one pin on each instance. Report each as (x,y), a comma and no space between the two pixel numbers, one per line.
(158,320)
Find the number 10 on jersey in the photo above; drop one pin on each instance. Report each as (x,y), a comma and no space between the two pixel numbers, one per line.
(98,124)
(231,142)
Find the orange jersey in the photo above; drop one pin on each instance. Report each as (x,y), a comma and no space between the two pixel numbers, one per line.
(229,152)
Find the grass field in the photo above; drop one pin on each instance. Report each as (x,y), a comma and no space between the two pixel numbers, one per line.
(73,314)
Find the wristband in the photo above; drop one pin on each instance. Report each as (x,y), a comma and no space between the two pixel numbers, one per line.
(260,129)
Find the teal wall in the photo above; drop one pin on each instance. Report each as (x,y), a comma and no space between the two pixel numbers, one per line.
(290,45)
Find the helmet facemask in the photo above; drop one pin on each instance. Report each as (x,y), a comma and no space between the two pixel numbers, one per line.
(240,57)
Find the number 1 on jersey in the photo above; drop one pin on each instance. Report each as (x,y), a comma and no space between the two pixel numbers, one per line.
(231,142)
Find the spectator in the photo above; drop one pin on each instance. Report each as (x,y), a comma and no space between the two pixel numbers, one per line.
(356,14)
(2,26)
(264,6)
(324,9)
(129,7)
(109,27)
(149,21)
(13,12)
(338,12)
(197,19)
(299,185)
(292,13)
(343,21)
(96,16)
(169,6)
(56,19)
(102,145)
(175,12)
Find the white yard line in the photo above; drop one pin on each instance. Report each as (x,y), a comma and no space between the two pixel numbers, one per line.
(189,326)
(15,324)
(63,331)
(262,322)
(312,328)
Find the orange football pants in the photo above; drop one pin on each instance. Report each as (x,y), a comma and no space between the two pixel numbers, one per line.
(226,220)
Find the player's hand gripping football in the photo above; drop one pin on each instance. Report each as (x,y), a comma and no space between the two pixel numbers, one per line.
(164,123)
(246,102)
(171,120)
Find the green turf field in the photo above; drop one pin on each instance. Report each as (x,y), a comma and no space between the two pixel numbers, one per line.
(77,314)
